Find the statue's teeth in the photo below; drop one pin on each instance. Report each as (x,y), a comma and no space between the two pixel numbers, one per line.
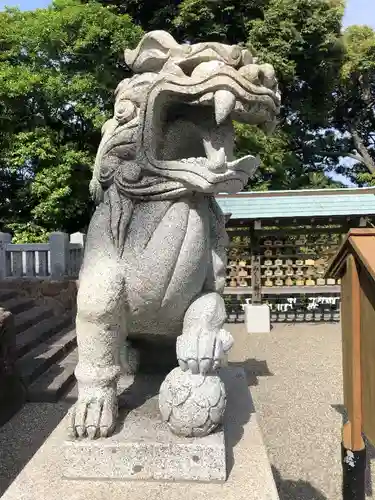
(225,102)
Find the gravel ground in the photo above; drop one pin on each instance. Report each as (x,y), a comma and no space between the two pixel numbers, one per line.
(296,382)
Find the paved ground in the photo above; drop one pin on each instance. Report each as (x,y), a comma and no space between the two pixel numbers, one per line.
(295,374)
(21,438)
(295,379)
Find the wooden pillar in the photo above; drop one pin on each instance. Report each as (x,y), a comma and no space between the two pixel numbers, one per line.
(354,263)
(256,269)
(353,447)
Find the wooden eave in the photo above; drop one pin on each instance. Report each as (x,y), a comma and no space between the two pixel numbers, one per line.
(359,242)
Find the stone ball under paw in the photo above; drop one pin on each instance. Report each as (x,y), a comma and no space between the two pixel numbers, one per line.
(193,405)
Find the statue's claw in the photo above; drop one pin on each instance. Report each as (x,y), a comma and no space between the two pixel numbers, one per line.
(95,413)
(204,352)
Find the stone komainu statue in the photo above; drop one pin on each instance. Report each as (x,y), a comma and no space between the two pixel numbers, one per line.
(155,258)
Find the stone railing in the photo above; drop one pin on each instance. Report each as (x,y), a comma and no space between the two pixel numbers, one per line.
(60,257)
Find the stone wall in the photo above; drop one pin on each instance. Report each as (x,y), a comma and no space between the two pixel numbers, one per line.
(60,295)
(12,391)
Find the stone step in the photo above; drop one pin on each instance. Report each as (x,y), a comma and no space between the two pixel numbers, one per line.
(55,381)
(30,338)
(71,395)
(37,361)
(7,295)
(18,305)
(31,317)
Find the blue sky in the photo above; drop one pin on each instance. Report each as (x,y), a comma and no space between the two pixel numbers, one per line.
(24,4)
(357,11)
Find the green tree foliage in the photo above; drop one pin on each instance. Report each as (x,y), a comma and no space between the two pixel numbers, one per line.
(302,39)
(58,70)
(59,67)
(354,110)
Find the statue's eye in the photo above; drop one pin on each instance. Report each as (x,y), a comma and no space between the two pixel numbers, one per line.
(124,111)
(247,58)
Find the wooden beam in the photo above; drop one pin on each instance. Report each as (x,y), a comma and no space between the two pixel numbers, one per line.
(301,221)
(286,290)
(256,266)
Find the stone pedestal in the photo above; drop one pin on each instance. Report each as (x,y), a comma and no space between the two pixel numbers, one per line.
(249,475)
(143,447)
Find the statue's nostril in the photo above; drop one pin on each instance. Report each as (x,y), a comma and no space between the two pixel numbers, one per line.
(236,53)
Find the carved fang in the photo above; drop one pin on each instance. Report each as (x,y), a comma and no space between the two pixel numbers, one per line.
(225,102)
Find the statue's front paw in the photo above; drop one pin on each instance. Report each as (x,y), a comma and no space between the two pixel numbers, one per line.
(95,413)
(203,352)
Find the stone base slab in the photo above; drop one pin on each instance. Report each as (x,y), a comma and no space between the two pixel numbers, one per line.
(248,468)
(143,448)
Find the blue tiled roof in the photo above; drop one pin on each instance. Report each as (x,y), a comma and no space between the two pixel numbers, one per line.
(288,204)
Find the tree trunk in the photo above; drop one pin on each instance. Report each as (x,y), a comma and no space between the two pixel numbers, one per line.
(367,159)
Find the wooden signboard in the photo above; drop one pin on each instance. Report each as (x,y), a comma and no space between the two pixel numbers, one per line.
(354,263)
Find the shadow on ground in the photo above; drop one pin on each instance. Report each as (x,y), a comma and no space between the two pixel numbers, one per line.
(295,490)
(22,436)
(240,404)
(254,369)
(239,409)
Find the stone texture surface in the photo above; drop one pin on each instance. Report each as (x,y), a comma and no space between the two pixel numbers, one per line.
(12,391)
(192,404)
(155,257)
(59,295)
(249,474)
(145,449)
(142,446)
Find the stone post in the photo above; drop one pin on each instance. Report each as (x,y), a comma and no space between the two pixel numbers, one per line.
(77,255)
(79,238)
(5,238)
(59,248)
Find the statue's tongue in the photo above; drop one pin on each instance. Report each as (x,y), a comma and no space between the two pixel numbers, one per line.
(218,144)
